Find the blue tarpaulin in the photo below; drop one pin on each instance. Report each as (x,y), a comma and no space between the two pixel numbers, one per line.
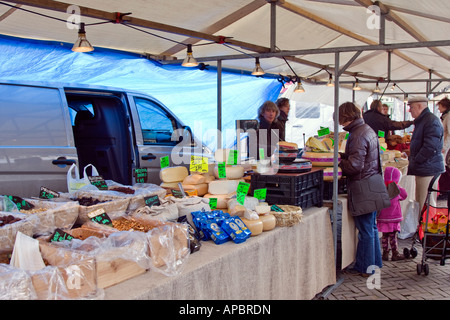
(190,93)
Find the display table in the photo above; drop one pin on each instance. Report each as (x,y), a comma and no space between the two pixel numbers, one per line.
(284,263)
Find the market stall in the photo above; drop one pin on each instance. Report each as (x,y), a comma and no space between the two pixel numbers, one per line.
(285,263)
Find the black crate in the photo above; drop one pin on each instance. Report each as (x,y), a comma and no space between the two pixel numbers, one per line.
(328,188)
(304,190)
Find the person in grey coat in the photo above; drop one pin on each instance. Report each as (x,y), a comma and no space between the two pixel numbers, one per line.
(425,159)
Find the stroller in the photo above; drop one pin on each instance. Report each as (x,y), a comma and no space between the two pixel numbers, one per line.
(432,231)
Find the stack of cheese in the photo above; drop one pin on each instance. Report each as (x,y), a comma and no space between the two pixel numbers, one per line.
(172,176)
(224,188)
(321,154)
(264,222)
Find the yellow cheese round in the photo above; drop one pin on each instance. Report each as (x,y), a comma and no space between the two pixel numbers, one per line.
(319,159)
(194,179)
(222,199)
(269,221)
(172,174)
(232,172)
(262,209)
(255,226)
(201,188)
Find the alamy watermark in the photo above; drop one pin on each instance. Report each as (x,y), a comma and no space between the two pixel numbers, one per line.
(374,20)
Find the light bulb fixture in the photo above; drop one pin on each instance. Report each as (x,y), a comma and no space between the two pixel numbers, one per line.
(299,88)
(405,100)
(82,44)
(356,86)
(257,71)
(377,88)
(393,87)
(189,61)
(330,82)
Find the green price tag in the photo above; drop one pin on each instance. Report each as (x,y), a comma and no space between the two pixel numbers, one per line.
(243,187)
(260,194)
(222,170)
(213,203)
(99,182)
(261,153)
(100,217)
(382,148)
(346,136)
(233,157)
(152,201)
(323,132)
(60,235)
(164,162)
(240,197)
(20,203)
(380,134)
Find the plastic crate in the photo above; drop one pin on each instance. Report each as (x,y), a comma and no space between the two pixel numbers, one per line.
(304,190)
(328,188)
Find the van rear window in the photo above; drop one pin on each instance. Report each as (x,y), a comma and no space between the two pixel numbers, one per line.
(31,116)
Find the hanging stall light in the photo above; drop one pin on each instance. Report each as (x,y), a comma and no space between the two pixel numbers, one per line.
(299,88)
(257,71)
(393,87)
(189,61)
(356,86)
(330,82)
(82,44)
(377,88)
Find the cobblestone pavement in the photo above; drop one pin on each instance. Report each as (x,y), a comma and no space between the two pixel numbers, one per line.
(397,281)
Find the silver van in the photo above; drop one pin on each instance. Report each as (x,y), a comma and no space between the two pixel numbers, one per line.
(45,128)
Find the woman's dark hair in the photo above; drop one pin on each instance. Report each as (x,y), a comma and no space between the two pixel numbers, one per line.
(375,104)
(348,112)
(281,102)
(445,103)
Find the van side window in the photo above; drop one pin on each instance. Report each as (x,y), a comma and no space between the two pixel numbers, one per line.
(31,116)
(156,124)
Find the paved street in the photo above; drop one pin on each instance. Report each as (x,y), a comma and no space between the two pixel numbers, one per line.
(398,281)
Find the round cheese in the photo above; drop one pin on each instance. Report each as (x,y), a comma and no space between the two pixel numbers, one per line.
(221,155)
(173,174)
(269,221)
(194,179)
(232,172)
(222,199)
(262,209)
(201,188)
(255,226)
(222,186)
(320,159)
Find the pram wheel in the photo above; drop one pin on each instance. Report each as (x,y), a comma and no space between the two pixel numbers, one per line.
(423,267)
(410,253)
(413,252)
(406,253)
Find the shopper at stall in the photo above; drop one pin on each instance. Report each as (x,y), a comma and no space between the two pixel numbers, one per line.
(380,121)
(362,166)
(388,221)
(444,180)
(268,134)
(284,107)
(425,158)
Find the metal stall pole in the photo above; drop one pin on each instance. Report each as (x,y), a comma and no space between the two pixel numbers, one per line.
(219,104)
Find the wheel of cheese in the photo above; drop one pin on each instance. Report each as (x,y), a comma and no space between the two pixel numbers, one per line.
(202,188)
(328,174)
(170,185)
(262,209)
(222,199)
(255,226)
(209,178)
(269,221)
(232,172)
(319,159)
(173,174)
(194,179)
(222,186)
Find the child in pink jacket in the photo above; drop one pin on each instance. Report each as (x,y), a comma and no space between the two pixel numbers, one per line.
(388,222)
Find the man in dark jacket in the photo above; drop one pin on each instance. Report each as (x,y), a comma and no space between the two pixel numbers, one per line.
(381,122)
(425,159)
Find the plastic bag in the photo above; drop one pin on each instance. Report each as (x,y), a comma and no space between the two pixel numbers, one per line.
(73,184)
(409,224)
